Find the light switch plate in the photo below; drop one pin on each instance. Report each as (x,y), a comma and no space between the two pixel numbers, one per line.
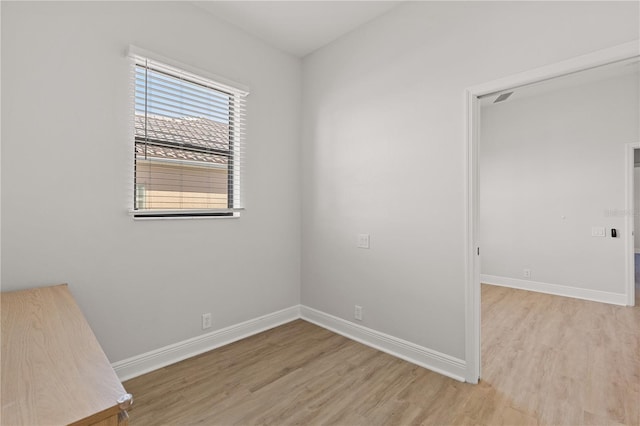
(363,241)
(597,231)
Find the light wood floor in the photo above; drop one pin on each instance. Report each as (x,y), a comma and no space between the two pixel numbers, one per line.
(546,360)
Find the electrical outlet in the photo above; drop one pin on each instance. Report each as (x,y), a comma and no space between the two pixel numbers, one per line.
(206,321)
(358,313)
(527,273)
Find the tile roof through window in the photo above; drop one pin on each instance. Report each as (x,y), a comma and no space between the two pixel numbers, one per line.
(198,133)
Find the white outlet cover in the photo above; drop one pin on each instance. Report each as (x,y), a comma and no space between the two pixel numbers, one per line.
(206,321)
(597,231)
(358,312)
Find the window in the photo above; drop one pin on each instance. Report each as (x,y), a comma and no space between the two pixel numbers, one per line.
(188,143)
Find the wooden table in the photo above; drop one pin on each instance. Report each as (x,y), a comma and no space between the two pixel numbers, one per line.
(54,371)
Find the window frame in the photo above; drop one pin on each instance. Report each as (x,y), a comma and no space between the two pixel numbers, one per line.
(236,93)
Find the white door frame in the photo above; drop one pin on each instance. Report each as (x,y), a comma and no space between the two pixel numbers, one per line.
(472,253)
(629,212)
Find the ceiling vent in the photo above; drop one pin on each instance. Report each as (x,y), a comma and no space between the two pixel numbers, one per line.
(503,97)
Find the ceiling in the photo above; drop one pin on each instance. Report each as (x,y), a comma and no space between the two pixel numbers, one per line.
(297,27)
(603,72)
(300,27)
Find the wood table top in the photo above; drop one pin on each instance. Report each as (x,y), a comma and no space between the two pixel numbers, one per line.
(53,368)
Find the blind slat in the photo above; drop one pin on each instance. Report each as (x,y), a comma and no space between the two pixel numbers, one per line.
(157,92)
(166,88)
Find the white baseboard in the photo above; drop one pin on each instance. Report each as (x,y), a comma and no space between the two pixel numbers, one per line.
(556,289)
(144,363)
(158,358)
(424,357)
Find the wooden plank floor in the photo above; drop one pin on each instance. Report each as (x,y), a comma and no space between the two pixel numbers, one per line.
(546,360)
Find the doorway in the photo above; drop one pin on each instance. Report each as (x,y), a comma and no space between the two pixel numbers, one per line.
(473,253)
(632,215)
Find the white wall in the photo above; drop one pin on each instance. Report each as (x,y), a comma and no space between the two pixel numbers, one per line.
(636,210)
(384,151)
(552,166)
(66,150)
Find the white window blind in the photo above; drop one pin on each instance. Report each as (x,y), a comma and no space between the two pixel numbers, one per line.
(189,143)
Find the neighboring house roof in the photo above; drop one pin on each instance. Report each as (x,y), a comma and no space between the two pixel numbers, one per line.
(195,132)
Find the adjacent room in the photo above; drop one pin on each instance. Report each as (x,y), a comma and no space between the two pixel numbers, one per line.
(281,212)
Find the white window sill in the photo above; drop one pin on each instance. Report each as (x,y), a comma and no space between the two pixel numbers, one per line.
(181,215)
